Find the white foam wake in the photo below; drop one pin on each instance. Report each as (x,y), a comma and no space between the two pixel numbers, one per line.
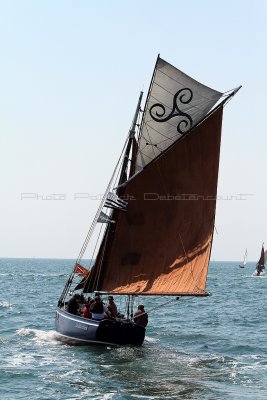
(38,335)
(151,340)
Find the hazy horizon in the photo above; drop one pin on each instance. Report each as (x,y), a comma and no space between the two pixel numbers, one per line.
(70,79)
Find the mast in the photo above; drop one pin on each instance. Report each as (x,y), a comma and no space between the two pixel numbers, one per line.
(147,98)
(95,277)
(126,152)
(131,137)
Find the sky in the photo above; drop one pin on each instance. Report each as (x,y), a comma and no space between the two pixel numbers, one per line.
(70,77)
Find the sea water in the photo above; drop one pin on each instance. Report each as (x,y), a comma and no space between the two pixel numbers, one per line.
(195,348)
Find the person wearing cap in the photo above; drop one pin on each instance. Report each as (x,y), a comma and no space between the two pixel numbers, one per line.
(140,316)
(112,307)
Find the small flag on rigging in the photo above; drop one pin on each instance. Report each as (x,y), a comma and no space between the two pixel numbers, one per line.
(113,201)
(104,219)
(80,270)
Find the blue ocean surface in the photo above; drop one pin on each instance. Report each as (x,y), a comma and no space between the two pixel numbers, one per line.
(195,348)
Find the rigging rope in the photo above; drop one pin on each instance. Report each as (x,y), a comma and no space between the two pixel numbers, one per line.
(156,307)
(92,227)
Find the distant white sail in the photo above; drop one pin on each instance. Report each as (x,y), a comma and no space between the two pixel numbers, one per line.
(245,258)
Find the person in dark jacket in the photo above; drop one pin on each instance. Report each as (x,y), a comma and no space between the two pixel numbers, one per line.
(73,304)
(112,307)
(140,316)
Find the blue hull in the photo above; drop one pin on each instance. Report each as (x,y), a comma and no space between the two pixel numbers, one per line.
(77,330)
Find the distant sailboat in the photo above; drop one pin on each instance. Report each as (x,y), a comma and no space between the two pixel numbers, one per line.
(260,266)
(245,260)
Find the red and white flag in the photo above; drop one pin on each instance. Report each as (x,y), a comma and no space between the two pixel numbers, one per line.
(80,270)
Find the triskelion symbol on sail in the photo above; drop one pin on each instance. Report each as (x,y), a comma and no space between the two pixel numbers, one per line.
(160,243)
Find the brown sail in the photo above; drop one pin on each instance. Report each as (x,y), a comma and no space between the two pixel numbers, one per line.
(162,244)
(261,261)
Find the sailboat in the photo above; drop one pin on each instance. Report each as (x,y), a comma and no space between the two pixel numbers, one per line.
(244,260)
(260,266)
(156,219)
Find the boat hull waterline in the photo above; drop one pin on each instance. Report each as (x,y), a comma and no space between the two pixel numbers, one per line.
(76,330)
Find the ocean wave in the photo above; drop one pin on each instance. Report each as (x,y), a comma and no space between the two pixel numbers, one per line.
(5,304)
(19,360)
(3,340)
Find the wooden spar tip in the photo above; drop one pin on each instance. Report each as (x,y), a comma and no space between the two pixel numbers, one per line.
(236,90)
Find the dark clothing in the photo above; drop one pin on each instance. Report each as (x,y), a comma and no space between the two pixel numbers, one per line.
(141,318)
(73,306)
(113,309)
(97,307)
